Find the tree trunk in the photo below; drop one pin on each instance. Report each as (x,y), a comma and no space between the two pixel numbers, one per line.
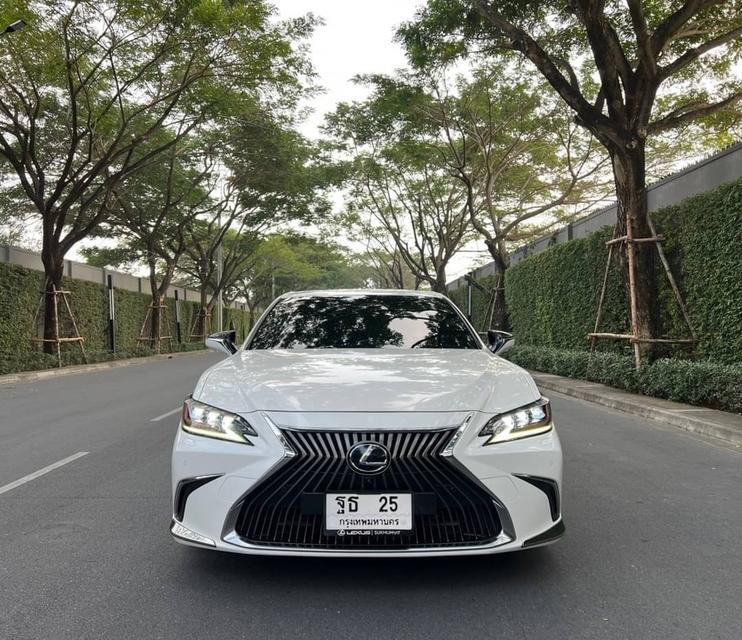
(631,193)
(155,318)
(53,272)
(500,318)
(251,315)
(440,281)
(201,324)
(159,300)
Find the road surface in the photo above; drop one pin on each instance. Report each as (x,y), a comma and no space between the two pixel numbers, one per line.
(653,546)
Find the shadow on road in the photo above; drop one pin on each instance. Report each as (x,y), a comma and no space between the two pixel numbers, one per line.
(335,574)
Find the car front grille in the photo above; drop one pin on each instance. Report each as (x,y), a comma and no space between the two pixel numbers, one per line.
(287,508)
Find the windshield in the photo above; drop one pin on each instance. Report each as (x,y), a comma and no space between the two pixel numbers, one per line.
(363,322)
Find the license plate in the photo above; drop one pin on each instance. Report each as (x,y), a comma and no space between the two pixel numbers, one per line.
(368,512)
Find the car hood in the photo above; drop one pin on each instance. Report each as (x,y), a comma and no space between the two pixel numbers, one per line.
(366,380)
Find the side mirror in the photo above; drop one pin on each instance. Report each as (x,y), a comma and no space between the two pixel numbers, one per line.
(223,342)
(499,341)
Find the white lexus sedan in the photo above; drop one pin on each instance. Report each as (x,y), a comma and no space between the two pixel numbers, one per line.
(365,423)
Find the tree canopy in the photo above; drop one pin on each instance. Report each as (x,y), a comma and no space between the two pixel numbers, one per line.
(627,70)
(87,90)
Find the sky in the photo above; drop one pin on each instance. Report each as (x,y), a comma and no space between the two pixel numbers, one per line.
(358,38)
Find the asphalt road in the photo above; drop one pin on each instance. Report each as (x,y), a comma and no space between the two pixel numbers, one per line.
(653,546)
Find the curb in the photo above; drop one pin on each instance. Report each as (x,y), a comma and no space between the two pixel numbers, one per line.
(44,374)
(719,425)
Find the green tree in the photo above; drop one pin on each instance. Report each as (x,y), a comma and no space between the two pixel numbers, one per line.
(149,213)
(398,185)
(291,262)
(659,65)
(386,269)
(271,176)
(87,85)
(523,164)
(219,247)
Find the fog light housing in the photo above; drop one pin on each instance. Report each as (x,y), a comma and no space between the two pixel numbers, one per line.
(179,531)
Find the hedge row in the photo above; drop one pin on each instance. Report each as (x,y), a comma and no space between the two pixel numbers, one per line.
(479,301)
(700,383)
(552,296)
(36,360)
(19,300)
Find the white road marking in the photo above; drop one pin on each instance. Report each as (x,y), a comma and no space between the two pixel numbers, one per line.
(41,472)
(165,415)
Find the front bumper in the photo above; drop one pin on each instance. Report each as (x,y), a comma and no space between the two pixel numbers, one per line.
(219,476)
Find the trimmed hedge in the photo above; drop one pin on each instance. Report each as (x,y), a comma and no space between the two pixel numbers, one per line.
(19,299)
(702,383)
(36,360)
(552,296)
(531,310)
(479,301)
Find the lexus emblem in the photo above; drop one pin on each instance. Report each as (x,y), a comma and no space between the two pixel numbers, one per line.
(369,458)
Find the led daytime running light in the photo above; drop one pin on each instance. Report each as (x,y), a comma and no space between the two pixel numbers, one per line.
(203,420)
(530,420)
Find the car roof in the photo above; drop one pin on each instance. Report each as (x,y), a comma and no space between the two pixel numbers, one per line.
(349,293)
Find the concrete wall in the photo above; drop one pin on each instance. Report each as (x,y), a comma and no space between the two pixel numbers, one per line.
(722,167)
(82,271)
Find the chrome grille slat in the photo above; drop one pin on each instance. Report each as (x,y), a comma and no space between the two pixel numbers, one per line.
(272,513)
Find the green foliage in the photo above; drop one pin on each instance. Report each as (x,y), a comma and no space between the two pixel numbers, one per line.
(291,262)
(19,297)
(105,88)
(301,262)
(700,383)
(400,191)
(131,307)
(443,31)
(480,301)
(704,238)
(238,320)
(553,295)
(279,174)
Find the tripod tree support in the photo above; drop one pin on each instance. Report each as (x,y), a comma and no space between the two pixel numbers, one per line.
(58,340)
(205,315)
(634,338)
(490,293)
(147,335)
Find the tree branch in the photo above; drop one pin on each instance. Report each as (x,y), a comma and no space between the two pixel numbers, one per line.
(670,121)
(693,54)
(670,26)
(523,42)
(646,56)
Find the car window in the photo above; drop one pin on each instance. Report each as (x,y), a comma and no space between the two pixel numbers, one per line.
(363,322)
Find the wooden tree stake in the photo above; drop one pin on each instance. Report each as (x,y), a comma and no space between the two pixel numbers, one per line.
(58,340)
(145,333)
(634,338)
(206,315)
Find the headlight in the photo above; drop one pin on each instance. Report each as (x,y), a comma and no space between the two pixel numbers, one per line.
(530,420)
(203,420)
